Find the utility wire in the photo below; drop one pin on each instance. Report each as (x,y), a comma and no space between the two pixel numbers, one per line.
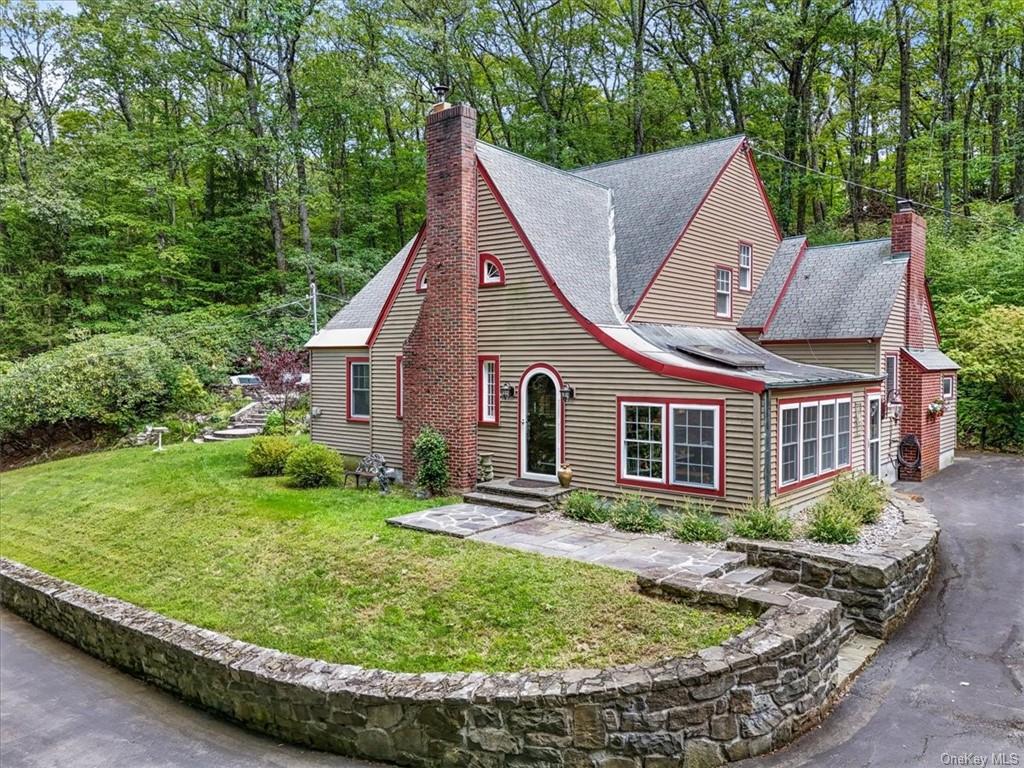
(883,192)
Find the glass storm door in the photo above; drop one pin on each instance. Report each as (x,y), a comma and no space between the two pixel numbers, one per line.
(874,435)
(540,426)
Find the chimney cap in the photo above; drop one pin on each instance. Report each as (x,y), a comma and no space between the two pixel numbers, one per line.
(441,91)
(904,204)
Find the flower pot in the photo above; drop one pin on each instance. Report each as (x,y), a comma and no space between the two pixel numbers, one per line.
(565,475)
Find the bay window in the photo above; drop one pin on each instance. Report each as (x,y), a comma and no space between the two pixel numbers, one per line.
(671,444)
(814,438)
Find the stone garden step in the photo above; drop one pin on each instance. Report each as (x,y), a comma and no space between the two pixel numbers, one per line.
(748,574)
(779,587)
(526,489)
(518,503)
(235,433)
(854,654)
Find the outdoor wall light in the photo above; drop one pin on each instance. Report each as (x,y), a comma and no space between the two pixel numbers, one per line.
(895,406)
(508,391)
(568,393)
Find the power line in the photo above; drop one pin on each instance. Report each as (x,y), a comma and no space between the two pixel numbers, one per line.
(883,192)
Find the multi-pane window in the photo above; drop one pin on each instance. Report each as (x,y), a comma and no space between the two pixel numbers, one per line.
(491,271)
(359,390)
(809,436)
(814,438)
(790,444)
(695,445)
(642,442)
(891,377)
(489,390)
(828,436)
(723,292)
(746,261)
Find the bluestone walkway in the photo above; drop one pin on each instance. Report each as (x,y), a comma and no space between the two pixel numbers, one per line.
(559,537)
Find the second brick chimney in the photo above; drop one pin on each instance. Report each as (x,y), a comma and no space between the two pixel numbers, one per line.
(909,232)
(440,355)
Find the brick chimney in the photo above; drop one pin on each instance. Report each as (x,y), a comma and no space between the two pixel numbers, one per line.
(440,354)
(908,237)
(918,388)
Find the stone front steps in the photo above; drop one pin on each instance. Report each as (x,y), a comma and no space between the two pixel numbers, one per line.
(518,495)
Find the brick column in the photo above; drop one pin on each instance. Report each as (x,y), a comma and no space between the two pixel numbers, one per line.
(440,354)
(909,232)
(919,388)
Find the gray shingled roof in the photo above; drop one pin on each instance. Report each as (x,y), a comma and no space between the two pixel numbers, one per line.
(655,196)
(365,306)
(772,283)
(932,359)
(777,371)
(842,291)
(568,221)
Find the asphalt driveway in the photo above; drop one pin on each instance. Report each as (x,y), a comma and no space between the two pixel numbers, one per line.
(949,686)
(946,688)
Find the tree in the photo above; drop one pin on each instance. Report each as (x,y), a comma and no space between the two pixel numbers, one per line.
(281,372)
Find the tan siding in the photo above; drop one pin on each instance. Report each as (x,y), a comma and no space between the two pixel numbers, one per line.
(861,356)
(684,291)
(327,392)
(893,338)
(947,424)
(803,495)
(524,323)
(387,428)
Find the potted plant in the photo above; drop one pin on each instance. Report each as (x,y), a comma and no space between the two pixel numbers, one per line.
(936,406)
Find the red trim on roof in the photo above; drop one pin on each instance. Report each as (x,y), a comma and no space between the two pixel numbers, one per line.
(844,340)
(931,307)
(397,286)
(762,189)
(686,228)
(785,286)
(675,371)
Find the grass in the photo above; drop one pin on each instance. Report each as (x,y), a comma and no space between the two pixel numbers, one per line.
(317,572)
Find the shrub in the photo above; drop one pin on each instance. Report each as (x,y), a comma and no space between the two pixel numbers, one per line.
(636,514)
(187,393)
(760,520)
(313,466)
(695,522)
(861,495)
(275,423)
(430,450)
(832,523)
(268,456)
(586,506)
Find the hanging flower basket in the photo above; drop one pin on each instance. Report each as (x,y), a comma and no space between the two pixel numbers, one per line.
(936,407)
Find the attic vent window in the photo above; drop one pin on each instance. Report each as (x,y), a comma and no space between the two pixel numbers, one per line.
(491,271)
(421,280)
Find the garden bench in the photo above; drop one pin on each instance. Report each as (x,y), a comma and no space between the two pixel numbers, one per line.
(372,467)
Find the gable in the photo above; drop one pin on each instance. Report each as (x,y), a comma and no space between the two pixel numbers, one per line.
(735,210)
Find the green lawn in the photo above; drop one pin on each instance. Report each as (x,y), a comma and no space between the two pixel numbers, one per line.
(318,573)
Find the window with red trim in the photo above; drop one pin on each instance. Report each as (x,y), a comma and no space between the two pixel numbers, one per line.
(746,266)
(358,396)
(814,438)
(488,389)
(492,272)
(421,279)
(671,444)
(892,376)
(723,292)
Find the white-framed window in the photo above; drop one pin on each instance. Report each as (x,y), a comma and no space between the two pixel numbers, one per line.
(491,271)
(892,377)
(814,438)
(488,390)
(842,433)
(421,280)
(746,265)
(673,444)
(694,445)
(723,292)
(947,387)
(399,388)
(789,423)
(874,433)
(643,442)
(359,389)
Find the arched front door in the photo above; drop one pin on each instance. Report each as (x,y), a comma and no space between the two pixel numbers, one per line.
(540,423)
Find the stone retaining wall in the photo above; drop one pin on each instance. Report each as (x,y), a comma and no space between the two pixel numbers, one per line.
(877,589)
(745,697)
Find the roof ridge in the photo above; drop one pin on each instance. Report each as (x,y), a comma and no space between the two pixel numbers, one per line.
(849,242)
(545,166)
(631,158)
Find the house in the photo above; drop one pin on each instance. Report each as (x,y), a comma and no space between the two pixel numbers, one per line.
(642,320)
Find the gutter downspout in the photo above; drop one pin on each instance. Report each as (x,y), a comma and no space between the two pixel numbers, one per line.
(766,442)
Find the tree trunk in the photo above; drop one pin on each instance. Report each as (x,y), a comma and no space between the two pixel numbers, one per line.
(943,71)
(1018,150)
(903,44)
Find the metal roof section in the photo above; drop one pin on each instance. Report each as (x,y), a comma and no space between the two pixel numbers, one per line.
(931,359)
(728,351)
